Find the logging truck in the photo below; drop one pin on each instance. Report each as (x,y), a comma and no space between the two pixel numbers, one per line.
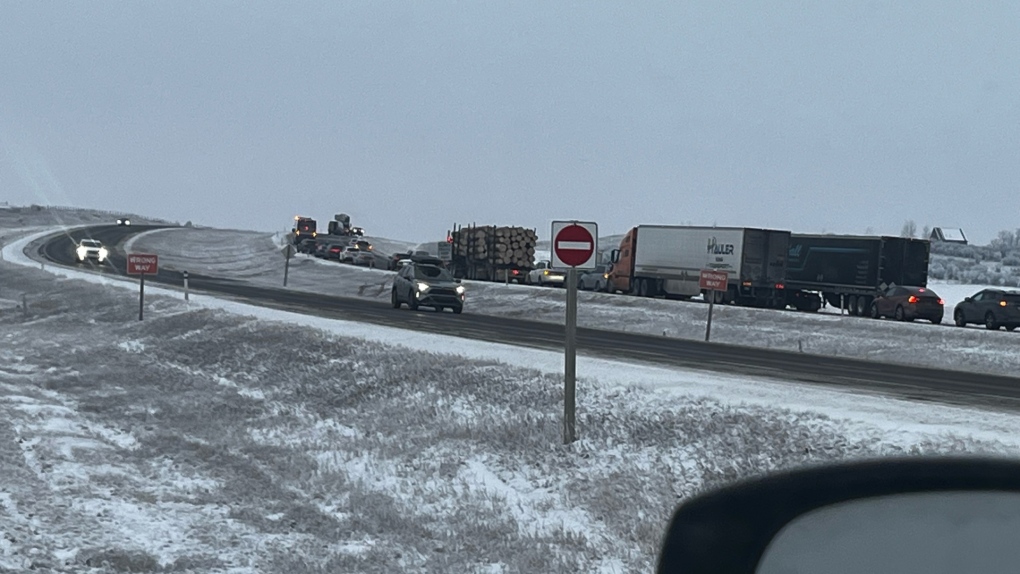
(492,253)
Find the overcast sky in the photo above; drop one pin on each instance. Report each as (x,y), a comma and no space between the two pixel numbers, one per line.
(811,116)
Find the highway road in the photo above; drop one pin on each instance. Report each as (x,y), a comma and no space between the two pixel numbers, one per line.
(917,383)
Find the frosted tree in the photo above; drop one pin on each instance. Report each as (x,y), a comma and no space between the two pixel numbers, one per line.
(909,229)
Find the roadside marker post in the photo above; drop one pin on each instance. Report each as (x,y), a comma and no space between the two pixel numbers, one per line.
(712,280)
(575,244)
(286,266)
(186,286)
(142,264)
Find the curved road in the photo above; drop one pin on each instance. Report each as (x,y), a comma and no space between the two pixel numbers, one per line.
(919,383)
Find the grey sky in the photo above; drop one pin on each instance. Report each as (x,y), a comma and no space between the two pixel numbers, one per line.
(811,116)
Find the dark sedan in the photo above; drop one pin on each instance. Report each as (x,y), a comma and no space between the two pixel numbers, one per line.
(909,303)
(417,284)
(993,308)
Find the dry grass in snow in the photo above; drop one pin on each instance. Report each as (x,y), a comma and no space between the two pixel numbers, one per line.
(203,441)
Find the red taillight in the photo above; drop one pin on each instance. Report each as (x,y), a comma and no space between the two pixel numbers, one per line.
(942,301)
(780,286)
(516,271)
(912,299)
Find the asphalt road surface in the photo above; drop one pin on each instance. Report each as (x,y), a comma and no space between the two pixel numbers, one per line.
(918,383)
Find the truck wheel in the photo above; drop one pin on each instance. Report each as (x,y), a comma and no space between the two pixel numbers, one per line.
(990,322)
(851,305)
(862,306)
(393,299)
(958,319)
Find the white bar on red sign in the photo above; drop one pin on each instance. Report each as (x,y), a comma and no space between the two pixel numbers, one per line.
(579,245)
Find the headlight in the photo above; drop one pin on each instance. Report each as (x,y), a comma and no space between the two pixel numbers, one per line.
(460,289)
(81,251)
(423,286)
(103,253)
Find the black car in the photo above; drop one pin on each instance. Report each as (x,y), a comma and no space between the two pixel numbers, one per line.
(992,308)
(306,246)
(908,303)
(418,284)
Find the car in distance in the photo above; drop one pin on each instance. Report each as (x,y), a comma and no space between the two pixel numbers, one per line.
(306,246)
(123,221)
(87,249)
(994,308)
(909,303)
(543,274)
(594,280)
(418,284)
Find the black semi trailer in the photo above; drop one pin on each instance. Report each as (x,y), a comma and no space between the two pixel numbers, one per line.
(848,271)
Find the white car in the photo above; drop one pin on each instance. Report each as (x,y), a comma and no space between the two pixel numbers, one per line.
(544,274)
(90,249)
(123,221)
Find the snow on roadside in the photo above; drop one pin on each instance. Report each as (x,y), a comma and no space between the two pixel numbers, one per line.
(261,440)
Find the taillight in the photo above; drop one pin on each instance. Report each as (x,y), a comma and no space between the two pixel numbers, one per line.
(780,286)
(1002,303)
(912,299)
(942,301)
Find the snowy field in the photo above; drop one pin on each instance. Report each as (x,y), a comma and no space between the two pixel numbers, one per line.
(825,333)
(219,437)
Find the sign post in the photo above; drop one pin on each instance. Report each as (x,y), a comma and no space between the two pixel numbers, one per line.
(185,285)
(712,281)
(286,266)
(142,264)
(575,244)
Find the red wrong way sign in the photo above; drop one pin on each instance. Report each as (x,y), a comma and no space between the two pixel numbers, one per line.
(574,244)
(713,280)
(142,264)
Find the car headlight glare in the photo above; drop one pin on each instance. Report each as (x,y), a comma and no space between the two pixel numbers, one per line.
(81,251)
(460,289)
(103,253)
(423,286)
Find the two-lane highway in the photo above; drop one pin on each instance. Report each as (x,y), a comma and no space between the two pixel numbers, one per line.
(955,387)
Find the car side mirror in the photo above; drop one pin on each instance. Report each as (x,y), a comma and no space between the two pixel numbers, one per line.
(886,516)
(968,300)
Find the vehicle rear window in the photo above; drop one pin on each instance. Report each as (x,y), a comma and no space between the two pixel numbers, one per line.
(1012,298)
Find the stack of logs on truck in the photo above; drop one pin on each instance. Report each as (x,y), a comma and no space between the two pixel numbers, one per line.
(491,253)
(767,267)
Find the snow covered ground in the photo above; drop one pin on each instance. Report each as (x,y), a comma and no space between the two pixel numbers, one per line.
(220,437)
(258,258)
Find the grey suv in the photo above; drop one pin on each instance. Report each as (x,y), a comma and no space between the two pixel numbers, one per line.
(992,308)
(418,284)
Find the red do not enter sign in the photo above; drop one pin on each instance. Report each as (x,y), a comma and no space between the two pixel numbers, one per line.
(574,244)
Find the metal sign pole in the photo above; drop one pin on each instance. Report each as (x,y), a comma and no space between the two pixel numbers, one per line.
(570,367)
(185,285)
(286,266)
(711,304)
(141,297)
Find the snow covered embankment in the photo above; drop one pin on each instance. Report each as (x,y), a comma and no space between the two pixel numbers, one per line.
(209,441)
